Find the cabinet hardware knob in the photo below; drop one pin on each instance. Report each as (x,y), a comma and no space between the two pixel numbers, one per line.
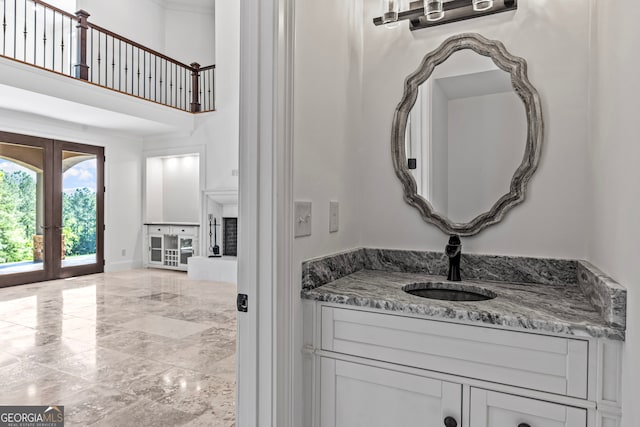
(451,422)
(523,425)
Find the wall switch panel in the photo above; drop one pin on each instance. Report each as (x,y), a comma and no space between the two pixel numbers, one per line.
(302,218)
(333,216)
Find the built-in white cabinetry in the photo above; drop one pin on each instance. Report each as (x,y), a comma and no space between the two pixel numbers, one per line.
(359,395)
(366,368)
(493,409)
(170,245)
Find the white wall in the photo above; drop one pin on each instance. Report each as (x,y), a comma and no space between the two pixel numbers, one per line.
(189,34)
(181,189)
(141,20)
(218,131)
(154,190)
(553,37)
(615,176)
(123,179)
(327,157)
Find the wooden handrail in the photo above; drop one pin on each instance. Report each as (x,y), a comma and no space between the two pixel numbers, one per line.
(48,6)
(86,51)
(139,46)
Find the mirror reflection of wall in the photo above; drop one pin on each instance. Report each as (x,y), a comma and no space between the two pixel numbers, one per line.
(173,189)
(467,133)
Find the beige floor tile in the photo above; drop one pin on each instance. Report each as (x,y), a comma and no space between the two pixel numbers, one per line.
(135,348)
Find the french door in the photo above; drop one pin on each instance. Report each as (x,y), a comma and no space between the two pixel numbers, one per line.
(51,209)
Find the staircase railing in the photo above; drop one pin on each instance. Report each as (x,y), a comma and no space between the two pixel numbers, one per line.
(47,37)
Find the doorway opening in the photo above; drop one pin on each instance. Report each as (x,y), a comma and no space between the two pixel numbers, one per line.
(51,209)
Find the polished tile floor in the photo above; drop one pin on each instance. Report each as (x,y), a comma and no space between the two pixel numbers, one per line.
(135,348)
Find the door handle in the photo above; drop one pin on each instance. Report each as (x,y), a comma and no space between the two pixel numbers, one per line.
(450,422)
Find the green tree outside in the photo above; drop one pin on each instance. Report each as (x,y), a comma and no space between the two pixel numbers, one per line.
(18,218)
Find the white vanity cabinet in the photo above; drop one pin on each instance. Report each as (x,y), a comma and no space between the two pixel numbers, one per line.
(354,395)
(367,368)
(170,245)
(493,409)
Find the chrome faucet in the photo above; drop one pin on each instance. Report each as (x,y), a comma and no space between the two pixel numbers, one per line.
(454,251)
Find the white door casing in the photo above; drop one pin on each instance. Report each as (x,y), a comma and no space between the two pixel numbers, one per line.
(264,369)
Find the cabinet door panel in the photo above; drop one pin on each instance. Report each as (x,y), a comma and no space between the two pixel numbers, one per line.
(354,395)
(156,248)
(492,409)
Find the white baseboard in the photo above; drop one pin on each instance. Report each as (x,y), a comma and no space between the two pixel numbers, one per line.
(111,267)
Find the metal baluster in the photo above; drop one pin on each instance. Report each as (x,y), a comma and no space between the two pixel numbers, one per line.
(150,87)
(120,66)
(160,82)
(180,98)
(165,80)
(24,46)
(15,28)
(92,64)
(99,59)
(44,38)
(4,27)
(71,43)
(144,75)
(106,60)
(170,99)
(35,31)
(113,62)
(53,64)
(155,83)
(139,73)
(62,45)
(132,62)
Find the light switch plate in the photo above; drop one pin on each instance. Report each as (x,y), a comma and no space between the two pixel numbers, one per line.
(302,218)
(333,216)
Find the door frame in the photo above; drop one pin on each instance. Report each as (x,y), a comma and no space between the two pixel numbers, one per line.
(47,151)
(266,357)
(79,270)
(53,180)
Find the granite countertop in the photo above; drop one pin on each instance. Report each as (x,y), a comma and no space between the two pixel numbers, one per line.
(554,306)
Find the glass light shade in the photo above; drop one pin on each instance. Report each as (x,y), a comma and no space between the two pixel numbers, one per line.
(390,9)
(480,5)
(434,10)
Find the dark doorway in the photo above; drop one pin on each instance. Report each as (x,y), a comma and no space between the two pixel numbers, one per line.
(230,236)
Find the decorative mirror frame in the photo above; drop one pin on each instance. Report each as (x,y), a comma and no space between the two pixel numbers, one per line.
(517,68)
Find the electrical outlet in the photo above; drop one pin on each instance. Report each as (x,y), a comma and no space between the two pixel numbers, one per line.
(235,172)
(333,216)
(302,219)
(124,252)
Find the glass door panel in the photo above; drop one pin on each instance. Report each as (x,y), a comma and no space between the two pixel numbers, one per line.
(186,250)
(79,209)
(22,209)
(51,209)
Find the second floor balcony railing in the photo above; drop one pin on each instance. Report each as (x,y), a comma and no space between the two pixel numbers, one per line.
(45,36)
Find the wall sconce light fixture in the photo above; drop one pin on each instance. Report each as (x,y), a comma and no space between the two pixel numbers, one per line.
(429,13)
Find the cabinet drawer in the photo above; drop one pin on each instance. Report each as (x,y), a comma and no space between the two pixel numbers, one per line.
(159,229)
(549,364)
(190,230)
(493,409)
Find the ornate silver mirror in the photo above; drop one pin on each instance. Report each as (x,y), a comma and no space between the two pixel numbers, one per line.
(467,134)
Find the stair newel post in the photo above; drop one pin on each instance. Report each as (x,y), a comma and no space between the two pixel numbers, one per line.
(195,87)
(81,68)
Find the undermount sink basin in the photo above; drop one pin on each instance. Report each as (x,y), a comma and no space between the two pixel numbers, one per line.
(447,291)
